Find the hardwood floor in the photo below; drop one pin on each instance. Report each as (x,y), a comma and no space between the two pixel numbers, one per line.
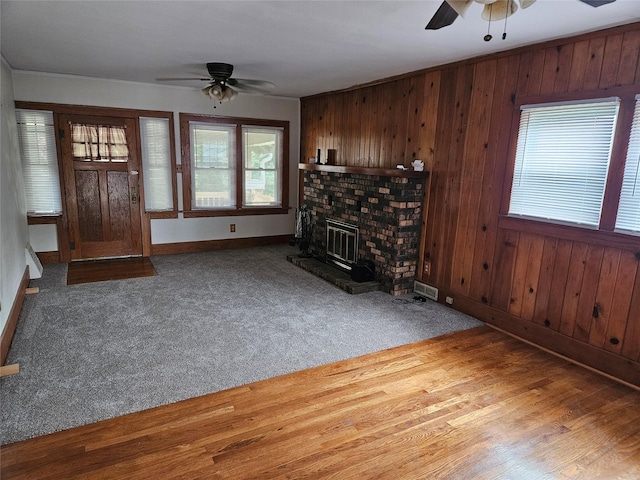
(113,269)
(476,404)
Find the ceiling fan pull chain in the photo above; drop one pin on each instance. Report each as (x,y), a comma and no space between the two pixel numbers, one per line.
(488,36)
(504,33)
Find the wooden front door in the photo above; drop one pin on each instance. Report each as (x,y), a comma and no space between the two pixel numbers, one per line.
(101,168)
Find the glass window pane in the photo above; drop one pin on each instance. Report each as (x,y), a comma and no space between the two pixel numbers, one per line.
(213,165)
(99,143)
(262,151)
(261,188)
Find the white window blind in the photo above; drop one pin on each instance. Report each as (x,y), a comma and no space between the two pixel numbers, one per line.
(562,161)
(629,207)
(39,161)
(156,164)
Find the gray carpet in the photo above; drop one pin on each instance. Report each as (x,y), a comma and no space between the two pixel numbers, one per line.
(207,322)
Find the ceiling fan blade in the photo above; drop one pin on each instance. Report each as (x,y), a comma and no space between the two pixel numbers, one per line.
(175,79)
(444,16)
(247,85)
(597,3)
(253,83)
(461,6)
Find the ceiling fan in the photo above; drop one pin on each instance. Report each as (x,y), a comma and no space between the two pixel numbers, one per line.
(493,10)
(222,87)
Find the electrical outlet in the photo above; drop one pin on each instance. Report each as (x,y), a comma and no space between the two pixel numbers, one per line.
(232,227)
(427,268)
(449,300)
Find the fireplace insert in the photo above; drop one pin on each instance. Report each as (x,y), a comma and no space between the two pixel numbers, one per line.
(342,244)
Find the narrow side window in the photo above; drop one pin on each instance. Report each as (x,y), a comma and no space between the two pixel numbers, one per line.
(156,164)
(37,140)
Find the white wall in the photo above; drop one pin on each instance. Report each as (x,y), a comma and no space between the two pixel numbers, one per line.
(43,238)
(36,87)
(13,210)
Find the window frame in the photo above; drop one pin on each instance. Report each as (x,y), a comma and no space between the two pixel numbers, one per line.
(230,171)
(172,213)
(238,209)
(604,234)
(562,160)
(278,132)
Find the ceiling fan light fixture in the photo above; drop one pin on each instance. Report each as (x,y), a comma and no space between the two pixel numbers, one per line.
(526,3)
(220,93)
(499,10)
(229,94)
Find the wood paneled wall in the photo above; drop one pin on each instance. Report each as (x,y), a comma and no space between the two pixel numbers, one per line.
(568,290)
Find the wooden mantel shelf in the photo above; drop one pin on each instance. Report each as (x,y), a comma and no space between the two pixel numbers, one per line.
(383,172)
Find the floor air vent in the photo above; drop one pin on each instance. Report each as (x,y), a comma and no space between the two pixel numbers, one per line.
(425,290)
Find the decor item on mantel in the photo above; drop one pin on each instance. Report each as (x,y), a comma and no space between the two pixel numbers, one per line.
(418,165)
(332,154)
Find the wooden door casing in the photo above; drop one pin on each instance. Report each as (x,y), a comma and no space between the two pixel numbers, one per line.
(102,197)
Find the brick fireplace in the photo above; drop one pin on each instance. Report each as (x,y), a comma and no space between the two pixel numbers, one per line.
(386,207)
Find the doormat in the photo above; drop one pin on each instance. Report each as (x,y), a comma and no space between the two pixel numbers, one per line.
(114,269)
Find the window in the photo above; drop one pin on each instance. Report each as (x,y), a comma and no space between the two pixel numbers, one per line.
(628,219)
(37,140)
(213,169)
(262,166)
(99,143)
(233,166)
(562,161)
(156,164)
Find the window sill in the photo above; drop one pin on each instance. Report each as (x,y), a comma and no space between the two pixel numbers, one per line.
(236,212)
(167,214)
(571,232)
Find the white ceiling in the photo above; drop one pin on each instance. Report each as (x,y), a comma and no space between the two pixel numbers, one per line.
(304,47)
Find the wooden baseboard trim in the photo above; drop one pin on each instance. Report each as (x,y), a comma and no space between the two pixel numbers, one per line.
(48,258)
(570,360)
(611,365)
(207,245)
(12,321)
